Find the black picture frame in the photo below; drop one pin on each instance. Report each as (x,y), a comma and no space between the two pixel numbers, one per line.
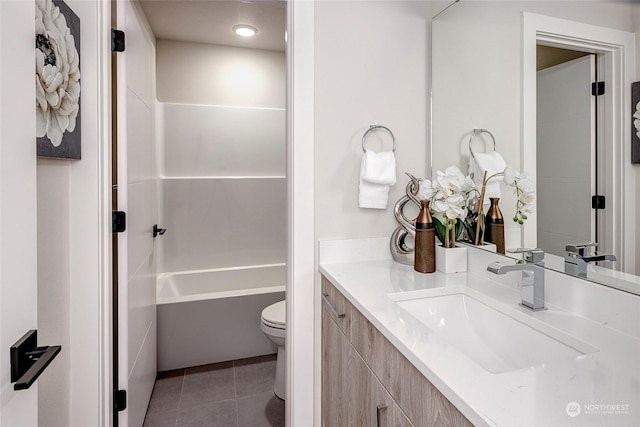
(635,122)
(70,146)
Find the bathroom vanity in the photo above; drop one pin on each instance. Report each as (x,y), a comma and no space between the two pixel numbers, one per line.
(366,380)
(401,348)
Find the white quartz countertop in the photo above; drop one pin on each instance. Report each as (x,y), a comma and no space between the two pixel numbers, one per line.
(605,383)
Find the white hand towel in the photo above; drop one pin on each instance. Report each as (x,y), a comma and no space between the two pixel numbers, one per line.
(493,163)
(377,174)
(379,168)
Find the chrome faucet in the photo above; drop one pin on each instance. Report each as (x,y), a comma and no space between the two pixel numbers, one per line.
(577,258)
(532,286)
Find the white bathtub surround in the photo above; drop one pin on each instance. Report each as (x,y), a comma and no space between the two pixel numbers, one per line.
(451,260)
(209,316)
(223,141)
(223,186)
(601,323)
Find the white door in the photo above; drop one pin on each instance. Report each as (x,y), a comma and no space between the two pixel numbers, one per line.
(566,155)
(18,268)
(137,197)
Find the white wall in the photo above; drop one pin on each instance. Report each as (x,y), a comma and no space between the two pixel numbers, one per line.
(222,135)
(53,287)
(477,77)
(371,66)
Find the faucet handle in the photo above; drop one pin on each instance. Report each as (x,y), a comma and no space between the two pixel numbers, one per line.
(534,255)
(580,248)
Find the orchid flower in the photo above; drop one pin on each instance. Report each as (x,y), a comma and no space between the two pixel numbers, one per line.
(450,194)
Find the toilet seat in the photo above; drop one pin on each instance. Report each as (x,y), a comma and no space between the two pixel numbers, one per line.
(275,315)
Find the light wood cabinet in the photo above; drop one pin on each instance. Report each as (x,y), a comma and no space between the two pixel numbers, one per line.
(366,381)
(346,379)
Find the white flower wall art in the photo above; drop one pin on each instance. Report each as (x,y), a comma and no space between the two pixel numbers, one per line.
(635,122)
(57,80)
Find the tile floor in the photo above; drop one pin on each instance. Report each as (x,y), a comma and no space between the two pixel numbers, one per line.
(228,394)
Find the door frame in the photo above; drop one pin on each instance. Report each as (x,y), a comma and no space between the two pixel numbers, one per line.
(618,51)
(102,294)
(303,368)
(303,306)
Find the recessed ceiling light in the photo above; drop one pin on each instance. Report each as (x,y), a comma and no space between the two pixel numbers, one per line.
(245,30)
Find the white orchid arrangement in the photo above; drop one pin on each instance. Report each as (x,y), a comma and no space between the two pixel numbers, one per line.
(525,201)
(450,194)
(523,189)
(453,196)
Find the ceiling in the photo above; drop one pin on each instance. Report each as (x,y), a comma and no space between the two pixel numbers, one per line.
(211,21)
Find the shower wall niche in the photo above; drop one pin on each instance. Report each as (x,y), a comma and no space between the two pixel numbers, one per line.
(221,123)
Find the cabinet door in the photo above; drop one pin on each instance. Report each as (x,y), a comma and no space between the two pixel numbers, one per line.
(333,407)
(346,380)
(400,418)
(381,404)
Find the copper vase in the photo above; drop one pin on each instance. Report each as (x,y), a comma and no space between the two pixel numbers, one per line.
(425,241)
(494,225)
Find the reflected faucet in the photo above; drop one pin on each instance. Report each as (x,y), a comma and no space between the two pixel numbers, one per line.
(532,287)
(577,258)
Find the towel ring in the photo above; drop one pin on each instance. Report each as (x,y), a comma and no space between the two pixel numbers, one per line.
(374,127)
(478,132)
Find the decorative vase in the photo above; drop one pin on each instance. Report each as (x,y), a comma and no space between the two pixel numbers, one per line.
(494,225)
(451,260)
(425,241)
(402,243)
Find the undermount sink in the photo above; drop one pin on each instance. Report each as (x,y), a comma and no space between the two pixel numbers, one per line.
(489,336)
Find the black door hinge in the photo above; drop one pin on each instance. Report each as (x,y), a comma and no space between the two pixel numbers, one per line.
(597,88)
(119,400)
(597,202)
(119,221)
(117,40)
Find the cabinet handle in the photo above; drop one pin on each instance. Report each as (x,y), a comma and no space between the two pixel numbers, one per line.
(379,409)
(331,307)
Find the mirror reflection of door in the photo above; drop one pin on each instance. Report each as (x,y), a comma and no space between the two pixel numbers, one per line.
(566,148)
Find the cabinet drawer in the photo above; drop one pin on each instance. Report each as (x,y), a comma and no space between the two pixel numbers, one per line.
(337,306)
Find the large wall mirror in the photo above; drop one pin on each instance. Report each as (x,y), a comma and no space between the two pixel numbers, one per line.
(524,70)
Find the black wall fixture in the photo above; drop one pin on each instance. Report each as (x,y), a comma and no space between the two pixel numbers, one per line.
(157,231)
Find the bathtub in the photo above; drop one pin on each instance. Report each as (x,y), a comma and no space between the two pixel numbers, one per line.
(209,316)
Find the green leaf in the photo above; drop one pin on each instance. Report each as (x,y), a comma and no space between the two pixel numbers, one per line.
(440,229)
(459,228)
(470,226)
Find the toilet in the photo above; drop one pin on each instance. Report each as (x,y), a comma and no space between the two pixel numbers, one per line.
(273,324)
